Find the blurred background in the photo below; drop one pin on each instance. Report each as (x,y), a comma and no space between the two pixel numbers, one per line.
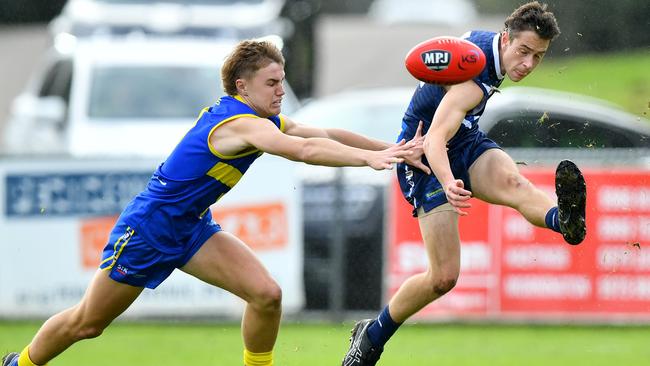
(95,93)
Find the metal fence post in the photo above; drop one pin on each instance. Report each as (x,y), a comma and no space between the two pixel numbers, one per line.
(337,258)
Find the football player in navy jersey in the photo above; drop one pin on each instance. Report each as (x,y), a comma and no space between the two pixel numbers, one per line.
(466,163)
(169,224)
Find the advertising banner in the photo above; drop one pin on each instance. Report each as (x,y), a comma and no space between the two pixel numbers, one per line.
(55,217)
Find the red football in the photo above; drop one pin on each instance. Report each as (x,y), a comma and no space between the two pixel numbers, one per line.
(445,60)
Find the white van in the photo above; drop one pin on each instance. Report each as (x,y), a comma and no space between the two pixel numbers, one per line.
(116,97)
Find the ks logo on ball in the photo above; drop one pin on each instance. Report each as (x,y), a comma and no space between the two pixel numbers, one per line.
(470,58)
(436,60)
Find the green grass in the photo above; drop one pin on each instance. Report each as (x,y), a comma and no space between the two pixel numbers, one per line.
(619,78)
(316,345)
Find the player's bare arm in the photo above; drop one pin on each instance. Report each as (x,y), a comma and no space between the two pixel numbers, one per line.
(339,135)
(246,133)
(458,100)
(359,141)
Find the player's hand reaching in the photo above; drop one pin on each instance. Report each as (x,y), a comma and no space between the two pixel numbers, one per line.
(415,158)
(384,159)
(458,196)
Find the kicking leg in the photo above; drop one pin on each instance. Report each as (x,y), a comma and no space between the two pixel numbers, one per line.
(494,178)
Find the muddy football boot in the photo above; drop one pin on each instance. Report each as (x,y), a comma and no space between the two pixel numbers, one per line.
(362,352)
(571,192)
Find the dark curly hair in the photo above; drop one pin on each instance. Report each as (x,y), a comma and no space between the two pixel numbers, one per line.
(247,57)
(532,16)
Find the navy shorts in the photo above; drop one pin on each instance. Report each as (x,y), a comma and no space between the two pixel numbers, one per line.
(422,190)
(131,260)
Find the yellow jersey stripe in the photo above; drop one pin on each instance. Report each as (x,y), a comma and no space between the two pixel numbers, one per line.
(282,123)
(226,174)
(117,242)
(217,153)
(127,237)
(201,114)
(239,98)
(106,260)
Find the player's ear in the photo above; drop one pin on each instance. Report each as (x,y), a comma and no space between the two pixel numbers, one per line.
(241,86)
(506,37)
(505,41)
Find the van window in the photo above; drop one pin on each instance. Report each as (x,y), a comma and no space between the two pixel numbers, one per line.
(158,92)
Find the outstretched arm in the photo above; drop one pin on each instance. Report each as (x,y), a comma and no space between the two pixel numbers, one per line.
(339,135)
(458,100)
(359,141)
(312,150)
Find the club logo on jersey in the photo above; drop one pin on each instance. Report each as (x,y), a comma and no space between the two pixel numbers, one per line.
(470,58)
(436,60)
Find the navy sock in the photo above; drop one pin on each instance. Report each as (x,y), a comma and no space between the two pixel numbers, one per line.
(553,220)
(380,331)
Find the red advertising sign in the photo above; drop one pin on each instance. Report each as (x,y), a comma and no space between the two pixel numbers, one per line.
(509,268)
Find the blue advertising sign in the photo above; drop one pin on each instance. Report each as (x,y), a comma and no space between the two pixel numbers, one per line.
(78,194)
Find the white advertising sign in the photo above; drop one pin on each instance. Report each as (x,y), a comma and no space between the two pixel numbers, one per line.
(55,217)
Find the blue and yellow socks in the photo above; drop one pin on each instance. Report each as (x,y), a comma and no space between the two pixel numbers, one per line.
(553,219)
(258,359)
(380,331)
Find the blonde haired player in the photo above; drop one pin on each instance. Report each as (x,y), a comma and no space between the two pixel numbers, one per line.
(169,224)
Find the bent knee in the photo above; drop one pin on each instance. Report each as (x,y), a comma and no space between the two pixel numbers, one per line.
(515,181)
(79,326)
(268,298)
(511,189)
(90,331)
(441,284)
(80,331)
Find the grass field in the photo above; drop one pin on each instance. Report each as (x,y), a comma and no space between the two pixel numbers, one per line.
(620,78)
(316,345)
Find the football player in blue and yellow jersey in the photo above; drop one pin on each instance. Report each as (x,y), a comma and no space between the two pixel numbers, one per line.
(169,224)
(465,163)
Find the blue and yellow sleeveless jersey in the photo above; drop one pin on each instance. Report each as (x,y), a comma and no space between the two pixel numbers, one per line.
(427,97)
(169,212)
